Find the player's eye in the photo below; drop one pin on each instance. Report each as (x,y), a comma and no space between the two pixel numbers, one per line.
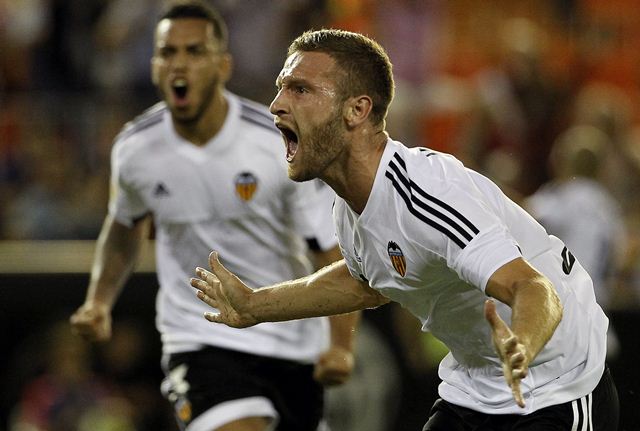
(165,52)
(197,50)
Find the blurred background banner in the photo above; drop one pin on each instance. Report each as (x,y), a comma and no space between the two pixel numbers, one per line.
(519,90)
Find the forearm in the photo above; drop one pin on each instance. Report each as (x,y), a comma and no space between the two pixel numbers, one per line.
(536,312)
(343,330)
(329,291)
(117,251)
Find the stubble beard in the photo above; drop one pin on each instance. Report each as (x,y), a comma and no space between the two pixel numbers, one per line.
(325,143)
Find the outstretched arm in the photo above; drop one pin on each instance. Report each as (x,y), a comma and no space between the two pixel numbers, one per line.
(536,312)
(327,292)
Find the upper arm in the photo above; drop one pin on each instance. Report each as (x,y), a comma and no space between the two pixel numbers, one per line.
(117,237)
(505,280)
(125,201)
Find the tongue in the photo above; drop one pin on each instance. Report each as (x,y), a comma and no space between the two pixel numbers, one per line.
(180,96)
(292,147)
(181,101)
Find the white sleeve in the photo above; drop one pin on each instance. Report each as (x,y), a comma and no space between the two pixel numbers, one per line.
(490,249)
(125,205)
(473,237)
(311,203)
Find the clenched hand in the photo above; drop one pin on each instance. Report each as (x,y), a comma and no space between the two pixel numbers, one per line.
(92,322)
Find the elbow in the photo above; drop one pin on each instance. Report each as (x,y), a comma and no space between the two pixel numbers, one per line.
(374,299)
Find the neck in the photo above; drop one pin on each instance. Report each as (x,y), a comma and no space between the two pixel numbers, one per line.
(200,130)
(353,179)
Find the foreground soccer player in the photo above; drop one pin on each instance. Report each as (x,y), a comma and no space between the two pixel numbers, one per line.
(206,165)
(527,339)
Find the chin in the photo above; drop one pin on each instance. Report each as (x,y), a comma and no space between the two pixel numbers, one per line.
(294,176)
(183,115)
(298,176)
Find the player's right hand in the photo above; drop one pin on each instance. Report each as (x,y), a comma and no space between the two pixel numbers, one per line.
(511,351)
(92,322)
(221,289)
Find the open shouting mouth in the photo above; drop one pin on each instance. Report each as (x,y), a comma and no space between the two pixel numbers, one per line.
(290,140)
(180,90)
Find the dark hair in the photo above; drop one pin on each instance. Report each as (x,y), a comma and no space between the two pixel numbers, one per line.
(365,63)
(197,9)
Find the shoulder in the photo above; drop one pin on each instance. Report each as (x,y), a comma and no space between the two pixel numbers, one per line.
(138,133)
(256,131)
(143,123)
(422,168)
(256,116)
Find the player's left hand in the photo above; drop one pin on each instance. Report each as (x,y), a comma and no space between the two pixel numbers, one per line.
(334,366)
(512,352)
(221,289)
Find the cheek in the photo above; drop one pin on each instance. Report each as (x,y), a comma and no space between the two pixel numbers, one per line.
(156,74)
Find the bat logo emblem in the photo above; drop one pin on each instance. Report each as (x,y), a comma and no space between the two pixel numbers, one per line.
(397,258)
(246,185)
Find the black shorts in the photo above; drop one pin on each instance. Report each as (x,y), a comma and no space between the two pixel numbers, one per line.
(599,411)
(213,378)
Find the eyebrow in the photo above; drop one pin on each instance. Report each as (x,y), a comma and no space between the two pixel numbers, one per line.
(291,80)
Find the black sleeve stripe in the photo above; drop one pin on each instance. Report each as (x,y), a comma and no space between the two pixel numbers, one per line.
(427,152)
(150,117)
(446,206)
(401,177)
(401,162)
(254,111)
(313,244)
(269,126)
(442,217)
(433,199)
(421,216)
(411,187)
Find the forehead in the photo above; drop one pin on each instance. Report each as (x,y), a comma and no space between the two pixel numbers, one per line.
(184,30)
(316,66)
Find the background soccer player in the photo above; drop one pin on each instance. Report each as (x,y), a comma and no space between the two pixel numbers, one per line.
(207,167)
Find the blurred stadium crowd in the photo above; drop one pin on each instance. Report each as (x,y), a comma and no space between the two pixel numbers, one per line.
(498,83)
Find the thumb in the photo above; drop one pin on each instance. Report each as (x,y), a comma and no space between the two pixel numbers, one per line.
(216,267)
(492,316)
(490,312)
(223,274)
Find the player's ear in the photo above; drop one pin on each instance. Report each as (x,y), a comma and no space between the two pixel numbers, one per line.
(155,78)
(226,66)
(357,110)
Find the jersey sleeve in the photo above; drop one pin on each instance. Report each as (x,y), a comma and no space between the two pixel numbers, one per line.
(485,254)
(311,203)
(470,219)
(125,205)
(352,266)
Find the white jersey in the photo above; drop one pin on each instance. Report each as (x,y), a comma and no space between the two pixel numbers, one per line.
(233,196)
(430,237)
(589,221)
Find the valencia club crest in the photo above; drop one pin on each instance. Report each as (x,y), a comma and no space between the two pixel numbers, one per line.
(397,258)
(246,185)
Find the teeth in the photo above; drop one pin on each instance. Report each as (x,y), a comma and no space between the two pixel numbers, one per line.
(180,82)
